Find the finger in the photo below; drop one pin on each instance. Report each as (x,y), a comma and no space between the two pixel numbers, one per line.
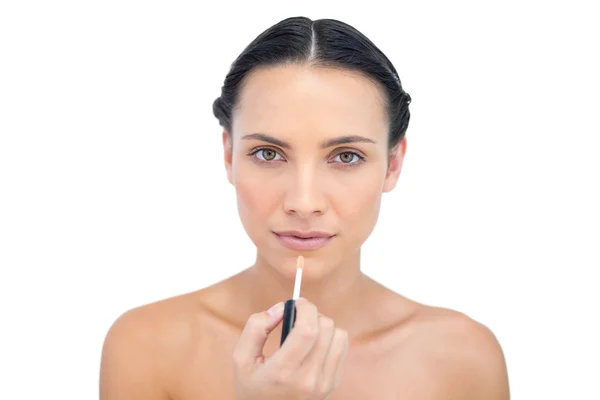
(315,360)
(334,364)
(249,348)
(302,337)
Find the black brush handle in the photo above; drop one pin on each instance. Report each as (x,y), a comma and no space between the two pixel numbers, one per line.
(289,318)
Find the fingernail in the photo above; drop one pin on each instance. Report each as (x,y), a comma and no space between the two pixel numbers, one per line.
(276,309)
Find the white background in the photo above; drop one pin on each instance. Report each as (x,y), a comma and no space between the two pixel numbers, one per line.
(113,192)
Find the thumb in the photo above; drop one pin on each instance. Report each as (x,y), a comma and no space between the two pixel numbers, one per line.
(249,348)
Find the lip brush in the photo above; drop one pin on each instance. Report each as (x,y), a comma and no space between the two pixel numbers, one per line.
(289,313)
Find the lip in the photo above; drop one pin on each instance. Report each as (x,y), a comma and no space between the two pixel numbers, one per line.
(307,234)
(298,240)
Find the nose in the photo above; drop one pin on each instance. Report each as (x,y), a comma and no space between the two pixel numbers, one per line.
(305,196)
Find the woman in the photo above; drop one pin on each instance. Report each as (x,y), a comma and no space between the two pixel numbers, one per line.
(314,120)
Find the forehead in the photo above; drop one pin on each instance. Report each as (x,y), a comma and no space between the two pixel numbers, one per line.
(303,99)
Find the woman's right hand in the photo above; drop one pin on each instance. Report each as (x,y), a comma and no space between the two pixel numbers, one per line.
(308,366)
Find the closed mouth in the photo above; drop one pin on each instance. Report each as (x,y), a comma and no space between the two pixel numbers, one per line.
(304,241)
(304,235)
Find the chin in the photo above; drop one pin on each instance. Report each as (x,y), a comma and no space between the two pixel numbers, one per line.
(317,264)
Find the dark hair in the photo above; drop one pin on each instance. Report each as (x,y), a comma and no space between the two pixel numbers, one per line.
(324,42)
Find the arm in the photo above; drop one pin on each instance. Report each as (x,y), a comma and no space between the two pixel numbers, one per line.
(129,360)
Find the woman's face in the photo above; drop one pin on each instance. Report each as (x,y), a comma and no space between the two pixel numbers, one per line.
(309,153)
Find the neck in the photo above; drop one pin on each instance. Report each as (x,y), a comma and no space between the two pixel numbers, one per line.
(336,293)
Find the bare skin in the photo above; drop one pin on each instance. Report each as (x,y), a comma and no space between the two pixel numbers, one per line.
(181,348)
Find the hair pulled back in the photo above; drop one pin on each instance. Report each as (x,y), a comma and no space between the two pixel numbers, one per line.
(323,42)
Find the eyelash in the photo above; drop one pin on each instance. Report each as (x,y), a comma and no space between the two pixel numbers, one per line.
(361,159)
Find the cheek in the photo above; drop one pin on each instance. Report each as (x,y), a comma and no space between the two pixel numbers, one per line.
(257,198)
(363,202)
(357,202)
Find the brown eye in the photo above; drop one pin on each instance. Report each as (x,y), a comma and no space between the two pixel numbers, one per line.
(349,158)
(267,155)
(346,157)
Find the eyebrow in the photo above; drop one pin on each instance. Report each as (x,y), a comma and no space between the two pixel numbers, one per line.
(328,143)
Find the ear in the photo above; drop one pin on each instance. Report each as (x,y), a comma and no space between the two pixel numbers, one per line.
(395,165)
(228,154)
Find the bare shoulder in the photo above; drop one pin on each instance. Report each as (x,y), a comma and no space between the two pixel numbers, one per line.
(463,356)
(142,346)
